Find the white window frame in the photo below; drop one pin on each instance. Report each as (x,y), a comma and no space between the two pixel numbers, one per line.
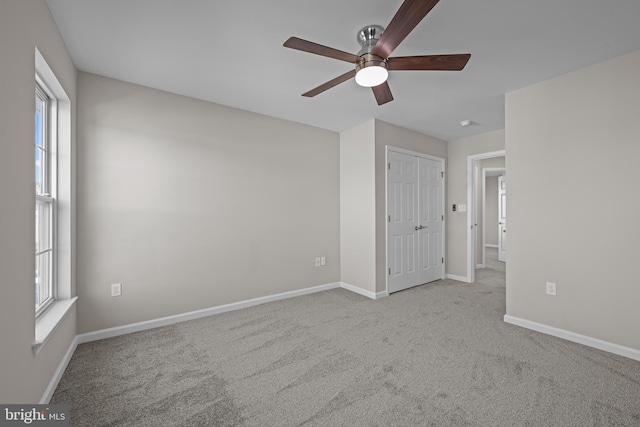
(62,173)
(47,195)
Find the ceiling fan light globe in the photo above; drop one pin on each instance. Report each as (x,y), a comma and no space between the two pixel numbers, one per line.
(372,76)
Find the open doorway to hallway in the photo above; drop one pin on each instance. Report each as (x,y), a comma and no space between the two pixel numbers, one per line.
(482,217)
(491,227)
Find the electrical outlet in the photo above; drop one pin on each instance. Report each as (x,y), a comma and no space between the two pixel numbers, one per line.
(551,288)
(317,261)
(116,289)
(323,261)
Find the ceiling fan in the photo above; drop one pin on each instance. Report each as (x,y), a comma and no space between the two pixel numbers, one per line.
(372,63)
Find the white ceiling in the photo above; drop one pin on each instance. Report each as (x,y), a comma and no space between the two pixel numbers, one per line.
(230,52)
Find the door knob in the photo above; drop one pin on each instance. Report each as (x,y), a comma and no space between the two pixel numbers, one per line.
(421,227)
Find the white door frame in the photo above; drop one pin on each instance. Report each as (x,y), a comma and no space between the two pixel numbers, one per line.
(485,172)
(471,212)
(502,216)
(386,205)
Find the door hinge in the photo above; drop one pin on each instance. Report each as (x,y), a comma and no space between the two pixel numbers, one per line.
(442,174)
(389,166)
(443,217)
(389,218)
(389,271)
(443,260)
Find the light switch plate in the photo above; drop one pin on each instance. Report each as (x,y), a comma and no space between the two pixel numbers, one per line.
(462,208)
(116,289)
(551,288)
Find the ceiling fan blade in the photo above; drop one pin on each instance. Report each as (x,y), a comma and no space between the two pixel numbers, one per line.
(318,49)
(405,20)
(429,62)
(330,84)
(382,93)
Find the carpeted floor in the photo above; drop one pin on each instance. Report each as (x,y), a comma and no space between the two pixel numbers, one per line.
(491,260)
(434,355)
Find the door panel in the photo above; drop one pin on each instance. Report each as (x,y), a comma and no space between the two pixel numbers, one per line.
(426,260)
(430,219)
(409,256)
(402,181)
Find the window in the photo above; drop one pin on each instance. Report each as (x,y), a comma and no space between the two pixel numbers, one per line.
(45,191)
(54,204)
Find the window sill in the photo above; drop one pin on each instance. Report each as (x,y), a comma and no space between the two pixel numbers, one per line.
(49,321)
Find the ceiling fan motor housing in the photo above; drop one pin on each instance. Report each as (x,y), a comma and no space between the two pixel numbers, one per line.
(368,37)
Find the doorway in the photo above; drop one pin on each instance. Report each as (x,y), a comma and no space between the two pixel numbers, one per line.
(488,218)
(502,219)
(415,219)
(474,167)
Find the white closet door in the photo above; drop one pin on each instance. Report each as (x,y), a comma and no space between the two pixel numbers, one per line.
(416,224)
(402,196)
(431,221)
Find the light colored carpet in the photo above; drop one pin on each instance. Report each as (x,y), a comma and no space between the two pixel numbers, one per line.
(491,260)
(434,355)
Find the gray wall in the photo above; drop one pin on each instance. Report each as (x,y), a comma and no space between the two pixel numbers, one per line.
(357,206)
(25,25)
(458,151)
(574,221)
(193,205)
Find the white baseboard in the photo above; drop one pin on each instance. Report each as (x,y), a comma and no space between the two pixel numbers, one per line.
(381,294)
(57,376)
(458,278)
(488,245)
(631,353)
(364,292)
(192,315)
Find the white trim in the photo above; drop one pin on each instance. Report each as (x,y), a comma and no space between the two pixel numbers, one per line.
(49,321)
(364,292)
(413,153)
(484,216)
(192,315)
(459,278)
(382,294)
(574,337)
(57,376)
(488,245)
(471,208)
